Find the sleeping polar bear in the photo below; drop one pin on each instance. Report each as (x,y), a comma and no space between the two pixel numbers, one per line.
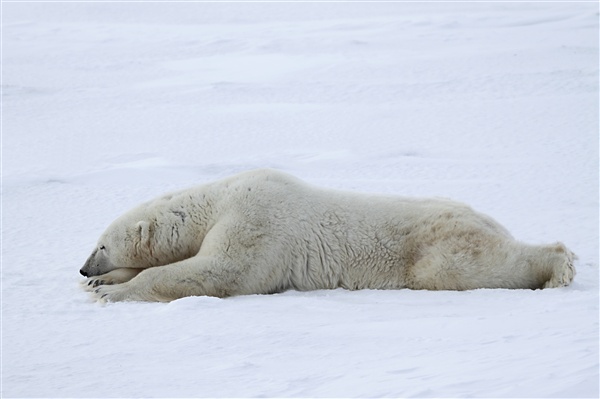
(264,232)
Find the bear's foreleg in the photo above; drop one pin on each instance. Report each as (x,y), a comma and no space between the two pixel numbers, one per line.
(197,276)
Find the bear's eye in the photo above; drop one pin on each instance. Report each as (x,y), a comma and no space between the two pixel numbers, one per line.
(102,247)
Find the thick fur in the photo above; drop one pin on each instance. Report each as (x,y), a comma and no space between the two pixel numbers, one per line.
(264,232)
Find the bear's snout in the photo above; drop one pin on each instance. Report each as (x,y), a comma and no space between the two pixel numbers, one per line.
(96,265)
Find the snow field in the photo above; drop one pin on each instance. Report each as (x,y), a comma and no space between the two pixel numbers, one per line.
(106,105)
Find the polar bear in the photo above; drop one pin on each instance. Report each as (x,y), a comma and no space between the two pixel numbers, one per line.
(264,232)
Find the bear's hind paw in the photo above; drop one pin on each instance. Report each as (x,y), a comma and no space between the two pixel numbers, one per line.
(564,274)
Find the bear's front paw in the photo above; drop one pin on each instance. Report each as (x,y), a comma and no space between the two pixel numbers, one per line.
(89,284)
(110,293)
(116,276)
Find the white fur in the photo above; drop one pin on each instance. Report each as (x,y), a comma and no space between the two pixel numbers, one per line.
(263,232)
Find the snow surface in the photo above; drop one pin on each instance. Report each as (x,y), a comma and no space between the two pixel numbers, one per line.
(106,105)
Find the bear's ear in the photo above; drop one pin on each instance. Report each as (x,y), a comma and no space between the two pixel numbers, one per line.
(143,228)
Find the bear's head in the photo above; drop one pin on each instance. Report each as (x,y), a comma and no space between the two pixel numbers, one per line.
(129,242)
(124,244)
(147,236)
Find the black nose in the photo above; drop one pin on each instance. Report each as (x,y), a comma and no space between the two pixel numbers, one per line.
(83,273)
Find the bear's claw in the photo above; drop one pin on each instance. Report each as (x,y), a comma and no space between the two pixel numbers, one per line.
(90,283)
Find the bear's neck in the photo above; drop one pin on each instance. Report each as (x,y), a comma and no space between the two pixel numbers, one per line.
(187,218)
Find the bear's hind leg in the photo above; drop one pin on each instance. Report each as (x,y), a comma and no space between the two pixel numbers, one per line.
(502,264)
(442,268)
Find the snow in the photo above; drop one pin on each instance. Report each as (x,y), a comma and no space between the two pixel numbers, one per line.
(106,105)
